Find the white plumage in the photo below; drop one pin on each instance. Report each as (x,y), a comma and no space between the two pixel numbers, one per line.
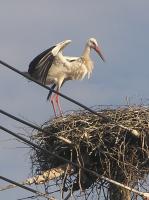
(52,67)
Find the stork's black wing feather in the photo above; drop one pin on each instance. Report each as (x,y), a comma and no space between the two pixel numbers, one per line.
(39,66)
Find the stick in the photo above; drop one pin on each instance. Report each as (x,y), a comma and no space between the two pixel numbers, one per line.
(132,131)
(40,179)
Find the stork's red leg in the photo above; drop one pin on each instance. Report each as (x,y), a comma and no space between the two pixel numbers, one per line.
(58,104)
(55,98)
(53,104)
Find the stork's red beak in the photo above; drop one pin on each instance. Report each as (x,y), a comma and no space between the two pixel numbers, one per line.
(99,53)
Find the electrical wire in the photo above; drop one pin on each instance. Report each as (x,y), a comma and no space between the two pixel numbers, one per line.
(25,122)
(25,187)
(33,126)
(21,121)
(32,144)
(52,90)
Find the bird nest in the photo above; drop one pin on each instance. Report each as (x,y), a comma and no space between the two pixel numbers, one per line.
(117,149)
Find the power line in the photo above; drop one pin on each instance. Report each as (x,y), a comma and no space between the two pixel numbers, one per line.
(74,164)
(25,187)
(48,88)
(22,121)
(30,125)
(12,186)
(33,144)
(31,197)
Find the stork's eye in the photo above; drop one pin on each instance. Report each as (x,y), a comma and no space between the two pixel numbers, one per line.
(93,43)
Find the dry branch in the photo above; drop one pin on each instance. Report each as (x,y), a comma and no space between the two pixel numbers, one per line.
(40,179)
(131,131)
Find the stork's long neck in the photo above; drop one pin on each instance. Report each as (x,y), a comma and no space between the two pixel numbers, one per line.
(87,59)
(86,52)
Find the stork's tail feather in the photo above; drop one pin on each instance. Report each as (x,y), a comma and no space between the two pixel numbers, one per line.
(26,74)
(50,92)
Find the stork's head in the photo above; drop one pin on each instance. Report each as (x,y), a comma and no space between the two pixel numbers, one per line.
(92,43)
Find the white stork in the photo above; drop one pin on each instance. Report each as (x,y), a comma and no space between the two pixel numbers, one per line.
(52,67)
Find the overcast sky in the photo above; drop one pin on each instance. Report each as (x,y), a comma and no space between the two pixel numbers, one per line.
(29,27)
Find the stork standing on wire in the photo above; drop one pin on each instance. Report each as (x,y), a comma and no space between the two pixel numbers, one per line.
(52,67)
